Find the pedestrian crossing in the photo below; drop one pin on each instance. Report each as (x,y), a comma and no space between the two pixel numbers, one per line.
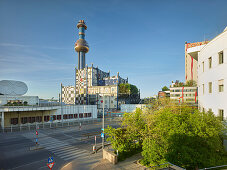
(62,149)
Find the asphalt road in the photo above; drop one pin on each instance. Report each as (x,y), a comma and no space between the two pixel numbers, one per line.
(65,145)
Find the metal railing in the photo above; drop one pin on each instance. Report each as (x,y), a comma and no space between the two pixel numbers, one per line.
(215,167)
(55,124)
(167,165)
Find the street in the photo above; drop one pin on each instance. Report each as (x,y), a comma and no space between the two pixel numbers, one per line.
(68,146)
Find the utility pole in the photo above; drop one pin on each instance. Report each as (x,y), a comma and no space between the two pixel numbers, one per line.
(103,121)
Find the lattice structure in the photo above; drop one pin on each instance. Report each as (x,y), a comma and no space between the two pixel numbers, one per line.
(68,94)
(12,87)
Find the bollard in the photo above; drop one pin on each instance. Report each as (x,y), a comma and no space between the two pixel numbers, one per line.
(94,148)
(11,129)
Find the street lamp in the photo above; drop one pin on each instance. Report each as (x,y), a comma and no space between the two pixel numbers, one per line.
(103,122)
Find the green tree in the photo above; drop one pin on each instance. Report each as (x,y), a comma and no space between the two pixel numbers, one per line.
(183,136)
(129,137)
(165,88)
(191,83)
(127,89)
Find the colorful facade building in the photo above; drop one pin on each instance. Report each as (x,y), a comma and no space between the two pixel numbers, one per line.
(93,85)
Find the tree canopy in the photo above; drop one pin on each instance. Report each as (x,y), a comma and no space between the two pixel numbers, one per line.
(167,132)
(165,88)
(185,137)
(128,89)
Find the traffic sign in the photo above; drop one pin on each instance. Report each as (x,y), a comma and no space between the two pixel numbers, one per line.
(102,135)
(36,141)
(36,132)
(50,165)
(50,159)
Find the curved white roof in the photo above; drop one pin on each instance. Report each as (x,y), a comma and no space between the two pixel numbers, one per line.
(12,87)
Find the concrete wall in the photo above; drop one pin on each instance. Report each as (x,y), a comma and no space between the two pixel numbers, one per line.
(110,156)
(215,100)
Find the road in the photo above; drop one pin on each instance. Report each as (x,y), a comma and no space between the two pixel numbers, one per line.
(69,146)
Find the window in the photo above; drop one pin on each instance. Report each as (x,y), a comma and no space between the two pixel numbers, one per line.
(203,109)
(71,116)
(24,120)
(203,65)
(32,119)
(89,114)
(38,118)
(65,116)
(221,57)
(210,87)
(81,115)
(210,62)
(221,114)
(46,118)
(203,88)
(75,115)
(85,114)
(59,117)
(221,85)
(14,121)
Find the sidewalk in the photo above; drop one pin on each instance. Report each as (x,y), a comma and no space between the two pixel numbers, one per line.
(129,163)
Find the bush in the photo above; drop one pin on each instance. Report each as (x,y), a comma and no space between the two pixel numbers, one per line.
(185,137)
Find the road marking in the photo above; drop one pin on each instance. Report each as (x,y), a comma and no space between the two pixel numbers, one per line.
(70,155)
(62,151)
(75,156)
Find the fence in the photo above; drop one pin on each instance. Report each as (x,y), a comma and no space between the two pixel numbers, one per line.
(53,125)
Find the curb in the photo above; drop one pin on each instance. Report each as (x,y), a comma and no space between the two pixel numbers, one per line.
(32,148)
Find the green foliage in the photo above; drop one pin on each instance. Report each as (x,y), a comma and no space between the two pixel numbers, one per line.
(191,83)
(127,139)
(165,88)
(128,89)
(183,136)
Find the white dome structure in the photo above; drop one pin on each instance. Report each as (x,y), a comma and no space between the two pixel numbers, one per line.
(13,88)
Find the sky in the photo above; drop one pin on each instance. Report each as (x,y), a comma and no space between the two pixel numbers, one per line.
(141,39)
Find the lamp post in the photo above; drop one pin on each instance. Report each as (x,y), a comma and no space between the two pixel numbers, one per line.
(103,122)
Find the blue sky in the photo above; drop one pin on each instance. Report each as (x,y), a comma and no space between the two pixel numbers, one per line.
(143,40)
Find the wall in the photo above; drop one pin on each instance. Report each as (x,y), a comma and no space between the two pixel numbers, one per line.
(215,100)
(132,107)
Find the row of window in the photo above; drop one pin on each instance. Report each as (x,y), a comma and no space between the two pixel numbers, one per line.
(220,60)
(24,120)
(210,86)
(185,95)
(185,90)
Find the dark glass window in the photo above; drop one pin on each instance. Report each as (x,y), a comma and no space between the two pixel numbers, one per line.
(14,121)
(81,115)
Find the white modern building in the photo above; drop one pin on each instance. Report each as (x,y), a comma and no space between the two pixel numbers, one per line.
(212,75)
(184,94)
(23,115)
